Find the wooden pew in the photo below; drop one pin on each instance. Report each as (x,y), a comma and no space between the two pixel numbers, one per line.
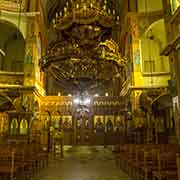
(147,161)
(167,168)
(8,165)
(21,161)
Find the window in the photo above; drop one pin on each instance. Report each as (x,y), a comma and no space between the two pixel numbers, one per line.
(14,127)
(174,5)
(23,127)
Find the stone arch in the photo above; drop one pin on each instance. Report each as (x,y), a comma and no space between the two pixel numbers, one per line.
(12,47)
(153,42)
(14,21)
(157,28)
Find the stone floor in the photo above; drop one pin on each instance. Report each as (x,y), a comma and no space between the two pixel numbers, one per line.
(83,163)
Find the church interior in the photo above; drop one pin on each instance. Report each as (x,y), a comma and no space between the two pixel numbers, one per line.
(89,89)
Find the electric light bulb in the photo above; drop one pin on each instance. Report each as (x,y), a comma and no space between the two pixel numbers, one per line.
(109,11)
(76,100)
(87,101)
(65,9)
(114,12)
(84,7)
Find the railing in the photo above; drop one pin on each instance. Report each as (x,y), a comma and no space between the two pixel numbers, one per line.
(11,78)
(160,65)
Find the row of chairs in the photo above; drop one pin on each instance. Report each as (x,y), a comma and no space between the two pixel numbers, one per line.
(150,161)
(21,162)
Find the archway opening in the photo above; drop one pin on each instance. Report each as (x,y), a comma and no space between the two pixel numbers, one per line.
(12,48)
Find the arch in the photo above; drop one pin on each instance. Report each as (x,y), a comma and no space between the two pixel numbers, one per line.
(174,5)
(6,104)
(153,42)
(36,106)
(44,118)
(12,45)
(56,119)
(157,30)
(162,102)
(14,22)
(24,127)
(14,126)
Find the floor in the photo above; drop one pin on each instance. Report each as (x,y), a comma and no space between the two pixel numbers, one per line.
(83,163)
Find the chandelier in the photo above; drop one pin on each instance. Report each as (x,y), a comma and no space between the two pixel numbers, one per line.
(84,54)
(84,12)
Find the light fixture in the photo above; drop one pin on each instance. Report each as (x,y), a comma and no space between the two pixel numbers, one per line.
(69,95)
(87,101)
(96,95)
(106,94)
(82,101)
(77,100)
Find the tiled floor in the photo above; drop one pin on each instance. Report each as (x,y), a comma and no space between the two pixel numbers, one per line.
(83,163)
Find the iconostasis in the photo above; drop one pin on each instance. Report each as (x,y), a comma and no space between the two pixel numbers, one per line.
(3,123)
(110,123)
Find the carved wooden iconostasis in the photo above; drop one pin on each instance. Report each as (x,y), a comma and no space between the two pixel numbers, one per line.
(18,127)
(3,123)
(91,125)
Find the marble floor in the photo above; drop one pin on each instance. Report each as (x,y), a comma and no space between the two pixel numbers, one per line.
(83,163)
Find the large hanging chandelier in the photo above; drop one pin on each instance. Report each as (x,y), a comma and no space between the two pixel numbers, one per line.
(84,52)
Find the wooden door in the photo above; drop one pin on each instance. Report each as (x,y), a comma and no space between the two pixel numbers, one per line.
(83,129)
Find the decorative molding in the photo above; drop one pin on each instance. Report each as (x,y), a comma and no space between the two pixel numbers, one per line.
(156,74)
